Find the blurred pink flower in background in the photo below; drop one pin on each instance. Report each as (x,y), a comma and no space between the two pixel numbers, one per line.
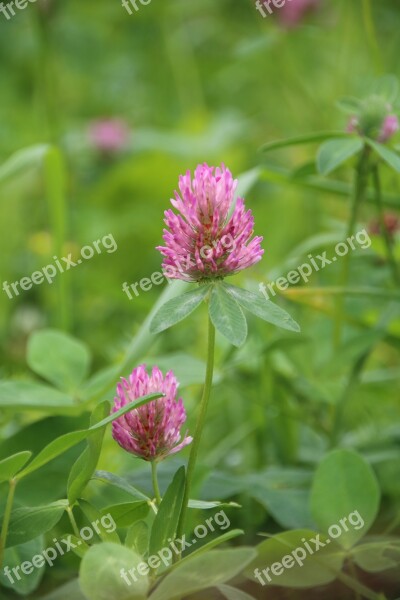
(152,431)
(392,225)
(353,125)
(109,136)
(390,126)
(293,11)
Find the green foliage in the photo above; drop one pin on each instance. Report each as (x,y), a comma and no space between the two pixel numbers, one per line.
(219,565)
(233,594)
(386,154)
(27,395)
(10,466)
(334,153)
(137,538)
(28,523)
(59,358)
(166,522)
(86,464)
(345,476)
(264,309)
(178,308)
(284,409)
(227,316)
(14,557)
(308,570)
(100,577)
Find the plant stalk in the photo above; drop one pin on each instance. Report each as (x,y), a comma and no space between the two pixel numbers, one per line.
(385,233)
(360,187)
(155,482)
(73,522)
(6,518)
(199,427)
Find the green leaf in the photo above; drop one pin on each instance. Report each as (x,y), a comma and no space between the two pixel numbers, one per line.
(289,507)
(262,308)
(100,574)
(59,358)
(222,539)
(127,513)
(67,441)
(52,450)
(167,518)
(227,316)
(14,557)
(375,557)
(11,465)
(308,570)
(86,464)
(23,160)
(311,138)
(233,594)
(106,531)
(66,592)
(345,476)
(21,395)
(120,483)
(81,547)
(28,523)
(335,152)
(137,538)
(207,570)
(127,408)
(178,308)
(207,504)
(389,156)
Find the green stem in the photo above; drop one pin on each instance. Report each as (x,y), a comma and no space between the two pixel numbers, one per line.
(385,233)
(358,195)
(199,426)
(73,522)
(358,587)
(155,482)
(6,518)
(55,176)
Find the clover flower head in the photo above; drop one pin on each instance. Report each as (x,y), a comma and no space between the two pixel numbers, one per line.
(152,431)
(211,236)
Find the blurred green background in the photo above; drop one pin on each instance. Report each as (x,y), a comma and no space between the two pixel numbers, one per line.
(200,81)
